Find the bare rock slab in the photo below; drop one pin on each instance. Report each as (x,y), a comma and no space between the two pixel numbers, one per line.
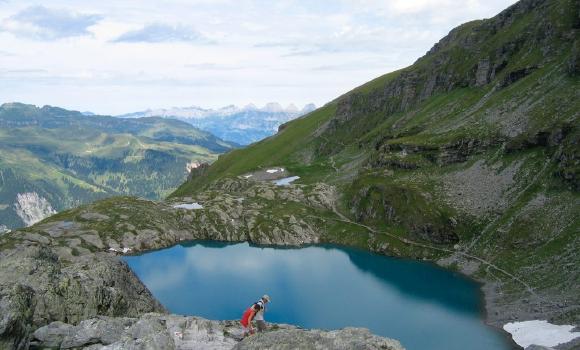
(344,339)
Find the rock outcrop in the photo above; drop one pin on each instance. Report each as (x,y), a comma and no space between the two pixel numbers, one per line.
(37,286)
(169,332)
(344,339)
(31,208)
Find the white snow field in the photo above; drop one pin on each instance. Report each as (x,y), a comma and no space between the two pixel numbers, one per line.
(538,332)
(189,206)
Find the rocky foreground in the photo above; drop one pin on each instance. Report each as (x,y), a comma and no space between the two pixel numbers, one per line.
(158,331)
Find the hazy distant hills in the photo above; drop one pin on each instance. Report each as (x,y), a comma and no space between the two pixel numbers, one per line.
(243,125)
(52,158)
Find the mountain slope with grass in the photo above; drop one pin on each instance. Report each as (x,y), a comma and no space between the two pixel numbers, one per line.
(469,157)
(66,158)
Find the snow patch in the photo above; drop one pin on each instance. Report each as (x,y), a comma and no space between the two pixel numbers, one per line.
(286,181)
(248,176)
(275,170)
(273,107)
(124,250)
(191,165)
(538,332)
(32,208)
(188,206)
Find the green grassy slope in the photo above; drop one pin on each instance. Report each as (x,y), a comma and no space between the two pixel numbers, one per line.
(443,103)
(70,159)
(282,149)
(474,149)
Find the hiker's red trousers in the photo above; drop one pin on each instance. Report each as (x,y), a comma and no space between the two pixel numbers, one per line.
(246,317)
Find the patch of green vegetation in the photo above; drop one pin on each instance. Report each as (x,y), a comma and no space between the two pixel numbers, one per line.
(401,208)
(75,252)
(280,149)
(71,159)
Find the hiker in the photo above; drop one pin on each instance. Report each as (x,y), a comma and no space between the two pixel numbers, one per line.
(255,313)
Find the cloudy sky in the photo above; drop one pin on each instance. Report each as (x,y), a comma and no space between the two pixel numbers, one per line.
(114,56)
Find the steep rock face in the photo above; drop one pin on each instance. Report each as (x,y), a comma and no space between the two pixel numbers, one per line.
(488,55)
(38,286)
(483,74)
(32,208)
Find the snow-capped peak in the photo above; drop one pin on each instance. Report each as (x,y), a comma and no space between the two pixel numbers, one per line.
(308,108)
(241,125)
(250,107)
(227,110)
(273,107)
(195,112)
(291,108)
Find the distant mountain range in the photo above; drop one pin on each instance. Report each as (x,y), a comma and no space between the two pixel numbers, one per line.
(242,125)
(52,159)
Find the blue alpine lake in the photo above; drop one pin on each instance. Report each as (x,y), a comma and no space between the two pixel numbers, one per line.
(322,286)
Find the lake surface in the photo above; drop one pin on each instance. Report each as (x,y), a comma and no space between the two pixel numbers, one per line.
(286,181)
(323,286)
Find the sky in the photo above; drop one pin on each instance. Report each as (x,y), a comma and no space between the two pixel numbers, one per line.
(114,56)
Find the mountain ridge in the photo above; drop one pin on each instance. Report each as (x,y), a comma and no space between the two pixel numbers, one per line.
(242,125)
(200,112)
(53,159)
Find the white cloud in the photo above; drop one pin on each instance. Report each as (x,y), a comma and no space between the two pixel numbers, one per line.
(159,32)
(117,57)
(42,23)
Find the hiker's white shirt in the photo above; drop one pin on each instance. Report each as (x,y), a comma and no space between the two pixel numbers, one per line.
(260,314)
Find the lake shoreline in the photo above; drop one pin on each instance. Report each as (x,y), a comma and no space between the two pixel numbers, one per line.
(74,237)
(485,289)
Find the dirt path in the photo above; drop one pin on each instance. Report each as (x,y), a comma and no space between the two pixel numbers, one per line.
(342,218)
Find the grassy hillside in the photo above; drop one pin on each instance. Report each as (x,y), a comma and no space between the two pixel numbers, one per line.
(473,150)
(70,159)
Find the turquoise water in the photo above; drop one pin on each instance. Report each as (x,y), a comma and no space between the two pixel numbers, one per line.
(324,286)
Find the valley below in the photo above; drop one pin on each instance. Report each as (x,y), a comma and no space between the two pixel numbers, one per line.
(52,159)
